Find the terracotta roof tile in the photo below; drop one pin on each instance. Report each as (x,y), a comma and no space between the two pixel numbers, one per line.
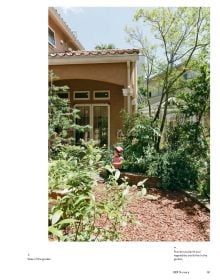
(95,52)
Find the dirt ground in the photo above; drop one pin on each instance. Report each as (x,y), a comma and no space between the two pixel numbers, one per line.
(167,216)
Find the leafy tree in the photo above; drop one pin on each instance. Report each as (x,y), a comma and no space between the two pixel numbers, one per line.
(105,46)
(148,66)
(143,95)
(191,138)
(195,102)
(180,34)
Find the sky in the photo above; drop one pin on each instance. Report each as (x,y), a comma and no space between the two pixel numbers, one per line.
(99,25)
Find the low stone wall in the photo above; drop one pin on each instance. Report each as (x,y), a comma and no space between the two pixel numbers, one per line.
(134,178)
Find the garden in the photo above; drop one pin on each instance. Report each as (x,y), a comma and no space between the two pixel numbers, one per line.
(90,200)
(158,194)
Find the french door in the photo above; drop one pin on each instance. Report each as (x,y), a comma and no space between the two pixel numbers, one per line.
(98,117)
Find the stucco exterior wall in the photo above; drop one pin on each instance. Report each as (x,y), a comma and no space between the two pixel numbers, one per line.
(59,35)
(116,101)
(115,73)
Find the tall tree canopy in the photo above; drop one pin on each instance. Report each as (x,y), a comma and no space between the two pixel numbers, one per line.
(170,37)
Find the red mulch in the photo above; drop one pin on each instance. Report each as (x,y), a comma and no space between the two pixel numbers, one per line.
(171,217)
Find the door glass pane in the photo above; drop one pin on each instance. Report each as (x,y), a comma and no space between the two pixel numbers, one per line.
(84,114)
(100,125)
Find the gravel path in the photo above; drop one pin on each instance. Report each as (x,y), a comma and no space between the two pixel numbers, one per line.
(167,216)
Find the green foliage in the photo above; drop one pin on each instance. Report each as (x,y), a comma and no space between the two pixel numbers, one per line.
(188,136)
(180,28)
(140,134)
(184,160)
(77,215)
(194,101)
(105,46)
(61,120)
(143,94)
(203,183)
(180,35)
(189,140)
(139,152)
(192,137)
(107,154)
(147,163)
(59,112)
(178,170)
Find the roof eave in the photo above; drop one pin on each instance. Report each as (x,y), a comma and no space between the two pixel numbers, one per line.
(92,60)
(53,12)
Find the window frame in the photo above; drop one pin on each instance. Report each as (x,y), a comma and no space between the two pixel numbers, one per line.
(51,44)
(82,98)
(91,116)
(64,92)
(101,98)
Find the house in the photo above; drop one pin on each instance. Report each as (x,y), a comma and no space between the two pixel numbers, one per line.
(155,85)
(60,36)
(102,83)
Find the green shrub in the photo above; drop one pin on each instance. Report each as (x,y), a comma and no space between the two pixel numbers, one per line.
(147,163)
(188,136)
(140,133)
(139,152)
(203,181)
(177,170)
(190,142)
(76,214)
(61,122)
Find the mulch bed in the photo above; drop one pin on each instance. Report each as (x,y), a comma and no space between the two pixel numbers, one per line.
(172,216)
(162,216)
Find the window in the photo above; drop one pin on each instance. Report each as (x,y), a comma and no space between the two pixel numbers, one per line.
(63,94)
(101,94)
(81,95)
(51,37)
(189,75)
(97,116)
(185,76)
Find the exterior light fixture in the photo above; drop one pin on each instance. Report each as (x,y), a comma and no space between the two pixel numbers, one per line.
(128,91)
(125,91)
